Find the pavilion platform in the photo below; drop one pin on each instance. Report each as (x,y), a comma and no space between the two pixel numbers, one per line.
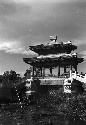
(51,81)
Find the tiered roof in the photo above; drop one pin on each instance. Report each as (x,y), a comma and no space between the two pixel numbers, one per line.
(53,54)
(53,62)
(53,48)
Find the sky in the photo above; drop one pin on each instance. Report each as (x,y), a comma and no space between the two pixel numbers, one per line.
(30,22)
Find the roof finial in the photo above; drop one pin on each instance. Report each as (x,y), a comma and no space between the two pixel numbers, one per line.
(53,38)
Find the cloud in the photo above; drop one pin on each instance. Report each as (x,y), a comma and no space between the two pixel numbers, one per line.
(35,20)
(20,51)
(32,1)
(14,20)
(83,54)
(31,22)
(7,8)
(14,48)
(79,42)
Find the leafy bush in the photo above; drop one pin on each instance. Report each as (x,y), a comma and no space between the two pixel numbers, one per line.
(71,105)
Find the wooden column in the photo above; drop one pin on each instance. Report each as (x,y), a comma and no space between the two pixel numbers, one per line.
(51,70)
(33,70)
(64,69)
(70,70)
(58,70)
(76,68)
(41,71)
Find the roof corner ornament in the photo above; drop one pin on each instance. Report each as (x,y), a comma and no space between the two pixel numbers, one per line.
(69,42)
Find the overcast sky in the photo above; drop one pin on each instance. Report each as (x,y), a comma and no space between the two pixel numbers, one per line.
(29,22)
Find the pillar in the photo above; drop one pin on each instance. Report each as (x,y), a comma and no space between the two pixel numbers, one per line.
(51,70)
(70,70)
(58,70)
(33,70)
(64,69)
(43,71)
(75,68)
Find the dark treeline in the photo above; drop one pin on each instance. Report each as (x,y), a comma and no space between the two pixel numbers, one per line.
(10,81)
(11,78)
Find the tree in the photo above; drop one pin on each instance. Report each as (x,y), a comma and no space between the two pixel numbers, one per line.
(6,79)
(10,78)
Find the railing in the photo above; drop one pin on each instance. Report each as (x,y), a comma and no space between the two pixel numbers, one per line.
(79,77)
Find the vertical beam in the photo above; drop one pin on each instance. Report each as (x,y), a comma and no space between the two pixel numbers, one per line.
(58,70)
(33,70)
(51,70)
(76,68)
(41,71)
(70,70)
(64,69)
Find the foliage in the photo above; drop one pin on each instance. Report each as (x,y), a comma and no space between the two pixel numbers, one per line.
(10,78)
(72,106)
